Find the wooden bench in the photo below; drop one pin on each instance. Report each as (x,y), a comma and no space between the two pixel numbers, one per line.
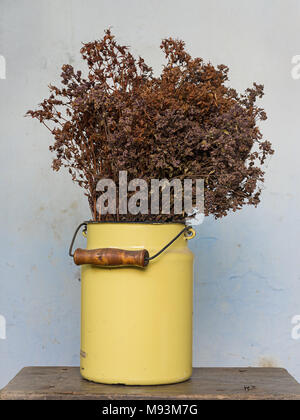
(65,383)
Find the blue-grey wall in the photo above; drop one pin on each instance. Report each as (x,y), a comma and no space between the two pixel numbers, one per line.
(247,274)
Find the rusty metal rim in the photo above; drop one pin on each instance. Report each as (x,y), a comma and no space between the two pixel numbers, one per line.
(133,222)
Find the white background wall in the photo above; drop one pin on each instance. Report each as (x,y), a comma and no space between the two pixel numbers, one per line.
(247,280)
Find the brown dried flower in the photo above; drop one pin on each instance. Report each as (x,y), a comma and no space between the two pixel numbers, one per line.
(185,123)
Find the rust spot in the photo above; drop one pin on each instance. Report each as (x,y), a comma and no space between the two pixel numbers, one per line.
(74,205)
(265,361)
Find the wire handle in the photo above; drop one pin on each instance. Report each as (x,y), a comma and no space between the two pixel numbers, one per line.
(97,257)
(74,237)
(186,229)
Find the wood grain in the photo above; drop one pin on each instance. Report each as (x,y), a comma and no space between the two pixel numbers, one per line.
(111,257)
(65,383)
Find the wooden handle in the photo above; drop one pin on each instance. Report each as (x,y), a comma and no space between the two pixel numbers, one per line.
(111,257)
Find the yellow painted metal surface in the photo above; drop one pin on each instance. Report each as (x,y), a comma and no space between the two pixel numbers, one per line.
(136,323)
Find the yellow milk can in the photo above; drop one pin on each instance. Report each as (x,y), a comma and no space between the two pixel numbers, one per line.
(136,319)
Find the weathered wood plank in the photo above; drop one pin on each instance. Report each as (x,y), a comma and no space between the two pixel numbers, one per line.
(206,383)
